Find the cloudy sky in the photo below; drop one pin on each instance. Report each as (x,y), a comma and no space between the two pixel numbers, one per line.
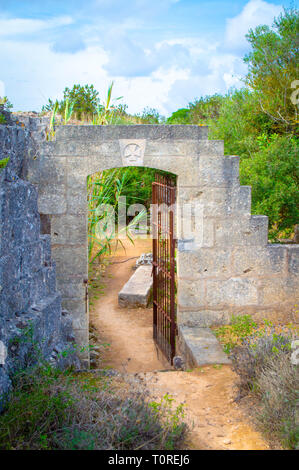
(160,53)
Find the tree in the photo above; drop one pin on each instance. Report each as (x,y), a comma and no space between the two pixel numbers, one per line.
(84,98)
(207,107)
(240,121)
(151,116)
(199,111)
(273,68)
(181,116)
(273,173)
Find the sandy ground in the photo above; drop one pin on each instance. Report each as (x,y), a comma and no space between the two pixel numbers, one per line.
(208,392)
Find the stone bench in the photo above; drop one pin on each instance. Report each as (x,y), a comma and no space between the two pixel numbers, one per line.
(136,292)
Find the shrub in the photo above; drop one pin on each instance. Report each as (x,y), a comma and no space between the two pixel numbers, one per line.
(263,364)
(231,335)
(181,116)
(253,354)
(50,409)
(277,387)
(273,173)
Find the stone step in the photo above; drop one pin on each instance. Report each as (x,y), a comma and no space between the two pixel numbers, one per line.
(199,346)
(136,292)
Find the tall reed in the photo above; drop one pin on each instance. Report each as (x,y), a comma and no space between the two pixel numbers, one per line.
(104,192)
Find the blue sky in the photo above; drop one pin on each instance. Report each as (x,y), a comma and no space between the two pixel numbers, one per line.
(160,53)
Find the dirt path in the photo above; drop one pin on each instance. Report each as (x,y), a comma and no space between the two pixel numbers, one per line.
(218,422)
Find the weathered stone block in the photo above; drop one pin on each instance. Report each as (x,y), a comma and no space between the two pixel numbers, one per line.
(70,260)
(191,293)
(71,287)
(50,170)
(19,296)
(279,290)
(150,132)
(136,292)
(293,255)
(245,231)
(50,308)
(204,317)
(10,269)
(199,347)
(52,199)
(205,262)
(77,308)
(218,171)
(186,168)
(175,148)
(261,261)
(82,346)
(233,291)
(69,229)
(211,148)
(195,227)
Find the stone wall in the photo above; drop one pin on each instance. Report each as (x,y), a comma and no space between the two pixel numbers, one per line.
(225,264)
(32,324)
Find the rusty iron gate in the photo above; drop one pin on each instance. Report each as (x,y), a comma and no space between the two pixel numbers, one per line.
(164,291)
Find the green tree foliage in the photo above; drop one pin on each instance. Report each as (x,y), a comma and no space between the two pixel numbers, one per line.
(198,112)
(273,66)
(269,162)
(181,116)
(240,121)
(85,101)
(85,98)
(5,103)
(259,124)
(151,116)
(273,173)
(205,108)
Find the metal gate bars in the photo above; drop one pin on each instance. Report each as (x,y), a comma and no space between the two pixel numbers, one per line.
(164,306)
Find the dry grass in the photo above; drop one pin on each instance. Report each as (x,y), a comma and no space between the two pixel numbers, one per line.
(277,388)
(52,410)
(263,363)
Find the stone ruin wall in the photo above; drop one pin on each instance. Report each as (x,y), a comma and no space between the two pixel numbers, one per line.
(32,323)
(226,267)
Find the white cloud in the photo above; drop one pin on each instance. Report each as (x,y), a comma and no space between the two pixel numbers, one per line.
(254,13)
(14,26)
(164,74)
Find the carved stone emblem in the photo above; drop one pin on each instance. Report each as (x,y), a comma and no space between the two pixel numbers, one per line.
(132,152)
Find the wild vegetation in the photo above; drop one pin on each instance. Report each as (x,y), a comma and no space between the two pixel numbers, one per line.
(260,122)
(51,409)
(261,356)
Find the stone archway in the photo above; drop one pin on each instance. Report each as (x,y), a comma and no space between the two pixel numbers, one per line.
(225,264)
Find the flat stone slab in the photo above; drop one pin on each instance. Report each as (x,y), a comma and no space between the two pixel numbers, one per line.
(136,292)
(200,346)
